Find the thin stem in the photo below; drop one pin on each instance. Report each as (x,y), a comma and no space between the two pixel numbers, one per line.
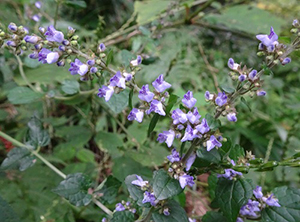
(56,13)
(23,73)
(92,91)
(270,146)
(190,151)
(204,6)
(102,207)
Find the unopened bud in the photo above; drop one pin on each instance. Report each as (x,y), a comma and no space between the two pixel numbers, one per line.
(2,33)
(74,42)
(75,37)
(23,41)
(260,54)
(294,31)
(69,51)
(23,47)
(69,61)
(102,55)
(98,61)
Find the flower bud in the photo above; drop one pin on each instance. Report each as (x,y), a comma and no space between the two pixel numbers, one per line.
(13,27)
(294,31)
(60,63)
(98,61)
(75,37)
(69,51)
(74,42)
(2,34)
(42,30)
(260,54)
(65,42)
(69,61)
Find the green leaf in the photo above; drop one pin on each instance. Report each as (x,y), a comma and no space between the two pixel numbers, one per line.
(123,216)
(208,157)
(118,102)
(244,101)
(85,155)
(110,56)
(109,142)
(212,184)
(212,216)
(153,123)
(177,213)
(36,135)
(172,100)
(130,98)
(18,158)
(23,95)
(75,3)
(75,189)
(231,195)
(70,86)
(126,57)
(289,199)
(145,31)
(77,136)
(135,192)
(109,189)
(7,214)
(164,186)
(213,123)
(227,88)
(236,152)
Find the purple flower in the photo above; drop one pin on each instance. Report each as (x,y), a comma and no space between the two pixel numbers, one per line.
(104,219)
(188,100)
(139,182)
(190,161)
(212,143)
(185,180)
(128,76)
(43,55)
(53,35)
(231,117)
(178,116)
(257,192)
(166,136)
(250,208)
(192,220)
(33,55)
(62,48)
(60,63)
(230,174)
(136,114)
(203,127)
(157,107)
(261,46)
(91,62)
(174,157)
(295,23)
(65,42)
(119,207)
(194,116)
(78,67)
(286,60)
(239,219)
(38,4)
(160,85)
(31,39)
(52,57)
(271,201)
(106,92)
(252,74)
(166,211)
(137,61)
(101,47)
(242,78)
(208,95)
(189,134)
(93,70)
(270,41)
(232,65)
(221,99)
(118,80)
(36,18)
(149,197)
(11,43)
(12,27)
(261,93)
(145,94)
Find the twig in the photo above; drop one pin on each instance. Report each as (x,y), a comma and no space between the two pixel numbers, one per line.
(270,146)
(23,74)
(207,4)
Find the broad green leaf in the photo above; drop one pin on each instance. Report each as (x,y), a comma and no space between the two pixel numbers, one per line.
(126,57)
(7,214)
(289,199)
(244,101)
(75,189)
(75,3)
(236,152)
(23,95)
(135,191)
(3,114)
(123,216)
(70,86)
(85,155)
(208,157)
(77,136)
(212,184)
(177,213)
(37,135)
(212,216)
(110,56)
(153,123)
(212,122)
(18,158)
(109,142)
(109,189)
(231,195)
(164,186)
(172,100)
(227,88)
(130,98)
(118,102)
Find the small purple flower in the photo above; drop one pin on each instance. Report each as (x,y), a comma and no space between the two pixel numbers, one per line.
(261,93)
(178,116)
(139,182)
(250,208)
(36,18)
(261,46)
(145,94)
(42,30)
(208,95)
(192,220)
(190,161)
(128,76)
(252,74)
(232,65)
(91,62)
(38,4)
(62,48)
(167,137)
(194,116)
(52,57)
(160,85)
(78,67)
(203,127)
(166,211)
(118,80)
(212,143)
(106,92)
(12,27)
(33,55)
(174,157)
(230,174)
(60,63)
(149,197)
(271,201)
(221,99)
(188,100)
(270,41)
(93,70)
(102,47)
(65,42)
(185,180)
(286,60)
(53,35)
(104,219)
(120,207)
(231,117)
(43,55)
(137,61)
(31,39)
(180,127)
(239,219)
(157,107)
(258,192)
(242,78)
(189,134)
(11,43)
(295,23)
(136,114)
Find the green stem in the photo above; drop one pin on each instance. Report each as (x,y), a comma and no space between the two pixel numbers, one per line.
(56,13)
(204,6)
(190,150)
(104,208)
(23,74)
(76,95)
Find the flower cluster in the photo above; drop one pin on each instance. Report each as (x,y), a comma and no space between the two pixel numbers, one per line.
(125,206)
(230,174)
